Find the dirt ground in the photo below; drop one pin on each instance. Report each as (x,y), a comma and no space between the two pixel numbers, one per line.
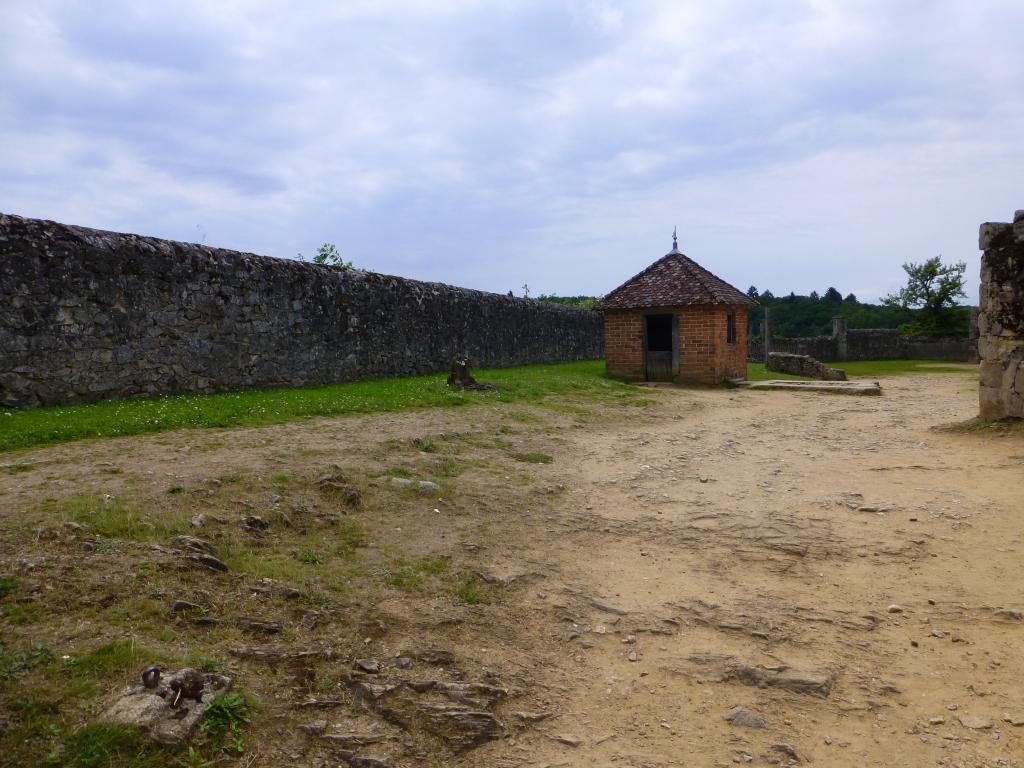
(848,575)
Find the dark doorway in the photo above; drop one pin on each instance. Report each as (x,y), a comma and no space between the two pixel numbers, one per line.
(659,347)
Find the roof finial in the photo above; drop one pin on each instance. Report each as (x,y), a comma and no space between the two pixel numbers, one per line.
(675,245)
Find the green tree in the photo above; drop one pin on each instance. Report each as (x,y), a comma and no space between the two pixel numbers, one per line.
(932,287)
(328,255)
(833,296)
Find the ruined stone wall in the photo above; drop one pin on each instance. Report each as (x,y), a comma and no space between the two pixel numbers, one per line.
(870,344)
(87,315)
(1001,319)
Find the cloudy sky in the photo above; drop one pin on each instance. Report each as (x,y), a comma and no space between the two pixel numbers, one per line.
(797,144)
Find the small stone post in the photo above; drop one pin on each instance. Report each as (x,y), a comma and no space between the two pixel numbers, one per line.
(839,335)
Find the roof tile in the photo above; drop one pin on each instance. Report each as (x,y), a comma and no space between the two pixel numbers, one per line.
(673,280)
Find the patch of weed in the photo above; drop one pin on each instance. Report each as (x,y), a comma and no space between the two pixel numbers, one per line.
(233,477)
(280,480)
(425,444)
(113,518)
(7,585)
(471,590)
(533,458)
(14,662)
(175,489)
(104,745)
(310,556)
(114,658)
(224,720)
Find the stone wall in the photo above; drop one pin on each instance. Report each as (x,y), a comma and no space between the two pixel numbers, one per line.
(87,315)
(1001,319)
(869,344)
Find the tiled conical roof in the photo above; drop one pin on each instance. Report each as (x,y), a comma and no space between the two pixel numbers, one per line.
(673,280)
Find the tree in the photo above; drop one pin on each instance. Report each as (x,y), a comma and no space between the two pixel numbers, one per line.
(767,296)
(850,299)
(814,296)
(933,287)
(833,296)
(752,292)
(328,255)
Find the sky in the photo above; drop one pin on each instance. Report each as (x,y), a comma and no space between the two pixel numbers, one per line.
(796,144)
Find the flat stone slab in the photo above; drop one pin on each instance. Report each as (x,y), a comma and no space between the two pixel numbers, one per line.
(831,387)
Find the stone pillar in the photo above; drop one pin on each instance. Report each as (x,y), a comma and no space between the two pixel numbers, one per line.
(839,336)
(1001,319)
(766,334)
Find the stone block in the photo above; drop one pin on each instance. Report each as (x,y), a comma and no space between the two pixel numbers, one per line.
(989,231)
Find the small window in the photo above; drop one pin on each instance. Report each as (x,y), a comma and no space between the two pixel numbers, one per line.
(730,328)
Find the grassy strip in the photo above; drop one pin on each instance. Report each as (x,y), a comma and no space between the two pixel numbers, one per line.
(854,368)
(40,426)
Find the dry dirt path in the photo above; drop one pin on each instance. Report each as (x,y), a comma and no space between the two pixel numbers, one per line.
(847,575)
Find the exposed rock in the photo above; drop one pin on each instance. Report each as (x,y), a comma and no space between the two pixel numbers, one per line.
(813,683)
(314,728)
(254,523)
(400,482)
(369,666)
(338,485)
(461,727)
(203,560)
(975,723)
(606,608)
(895,608)
(428,485)
(742,716)
(434,656)
(803,365)
(259,626)
(151,710)
(786,749)
(1009,613)
(182,606)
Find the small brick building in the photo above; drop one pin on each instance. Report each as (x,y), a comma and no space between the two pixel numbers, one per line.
(675,321)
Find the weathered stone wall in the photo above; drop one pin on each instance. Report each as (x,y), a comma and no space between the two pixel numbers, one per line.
(87,315)
(1001,319)
(870,344)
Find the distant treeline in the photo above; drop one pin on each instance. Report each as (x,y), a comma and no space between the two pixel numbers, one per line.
(794,316)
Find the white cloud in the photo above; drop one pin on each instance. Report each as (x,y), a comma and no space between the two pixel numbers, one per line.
(797,144)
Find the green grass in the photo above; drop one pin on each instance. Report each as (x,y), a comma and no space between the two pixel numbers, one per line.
(855,368)
(39,426)
(533,458)
(104,745)
(112,519)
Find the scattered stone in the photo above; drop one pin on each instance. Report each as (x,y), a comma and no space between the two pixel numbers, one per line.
(938,633)
(434,656)
(254,523)
(193,544)
(369,666)
(198,521)
(182,606)
(632,656)
(73,527)
(936,720)
(259,626)
(605,608)
(532,717)
(167,713)
(370,761)
(400,482)
(952,707)
(337,485)
(428,485)
(1009,613)
(310,619)
(742,716)
(895,608)
(814,683)
(1015,720)
(314,728)
(786,749)
(290,593)
(204,560)
(569,741)
(975,723)
(461,727)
